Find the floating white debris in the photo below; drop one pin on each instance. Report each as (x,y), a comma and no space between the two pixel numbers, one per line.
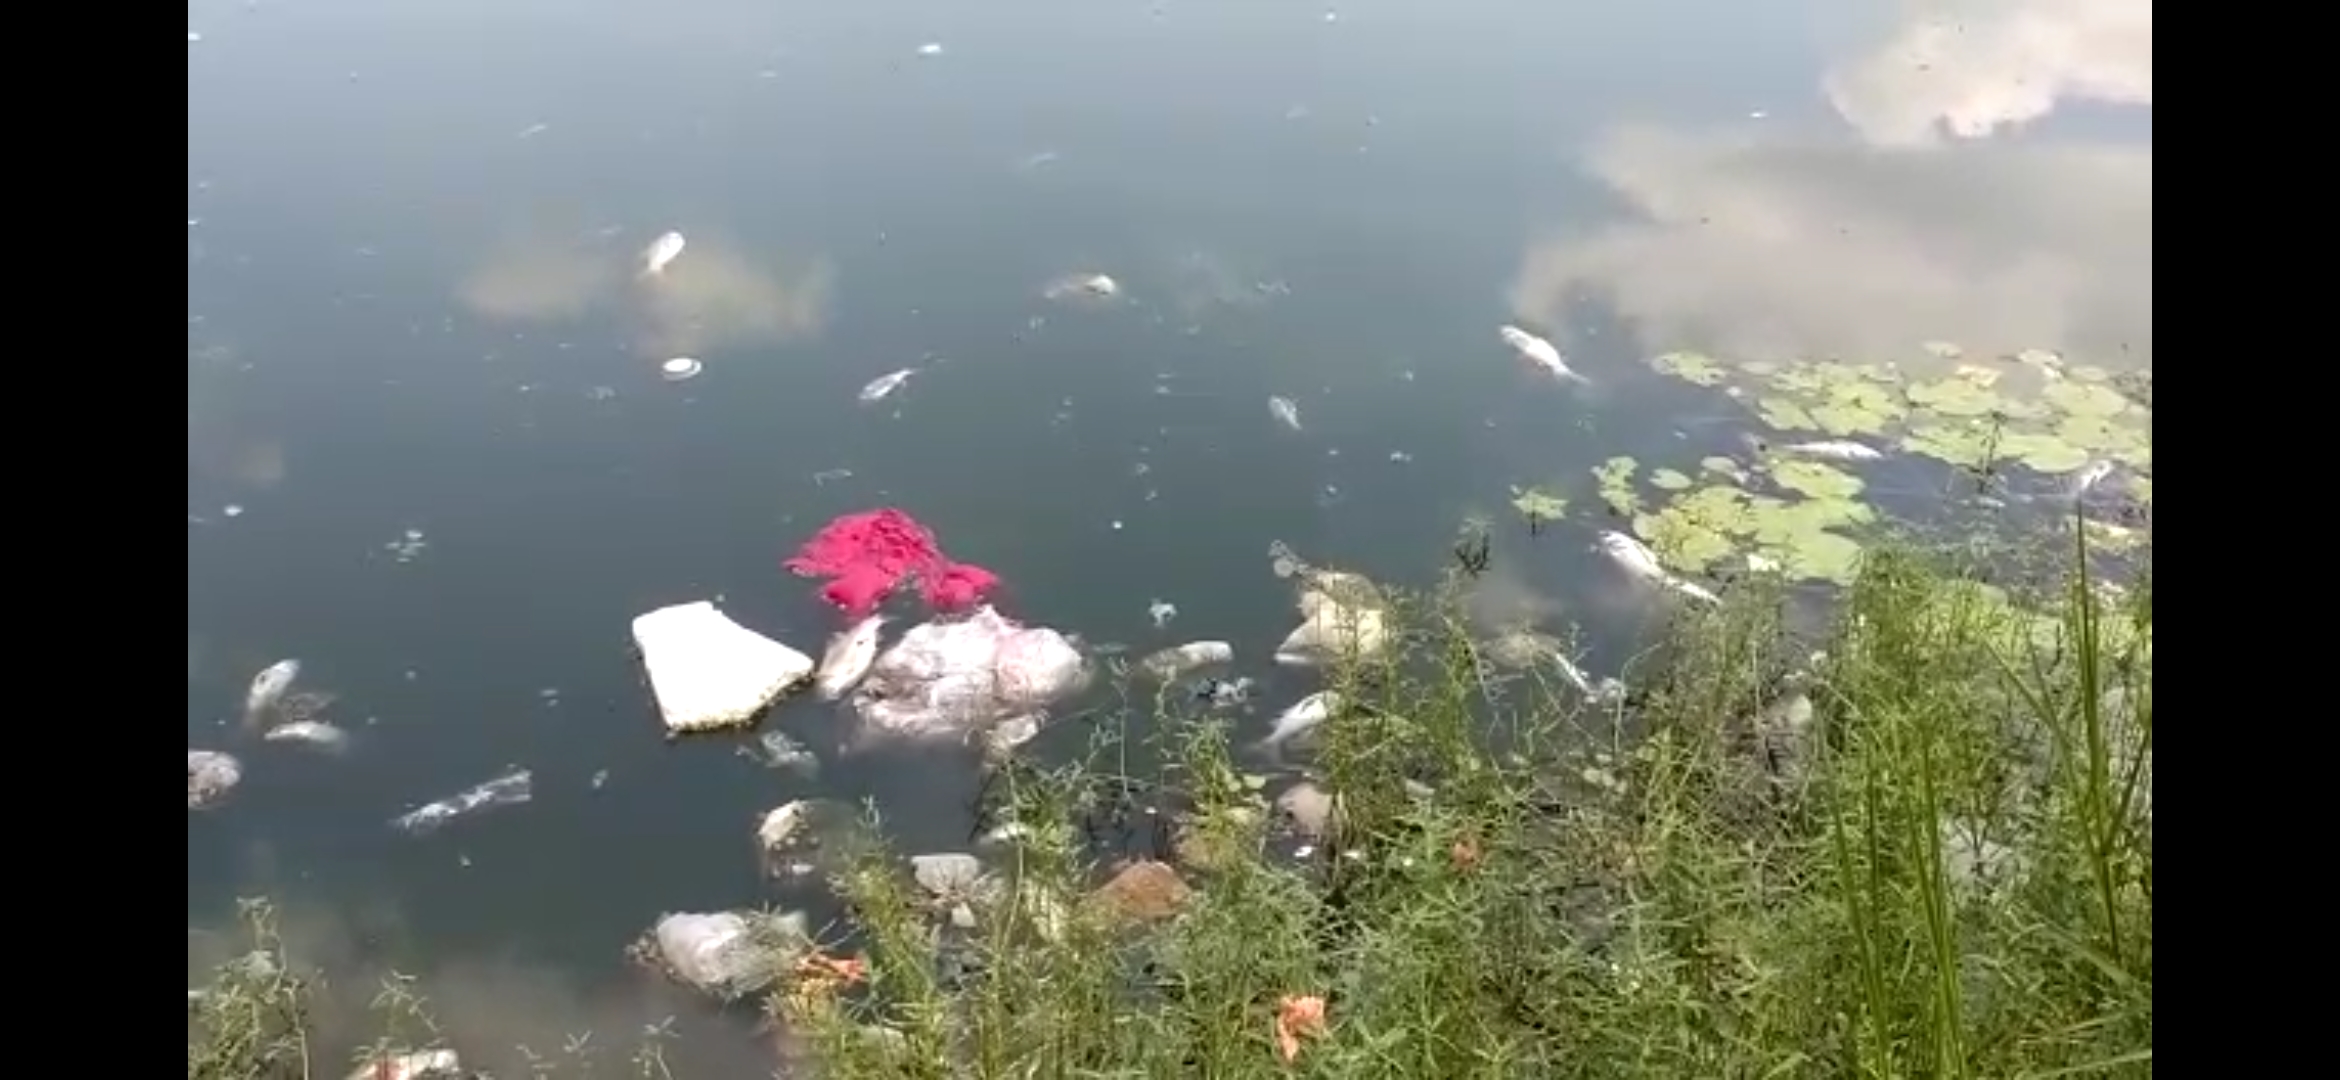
(193,37)
(931,48)
(1081,287)
(211,775)
(948,678)
(680,368)
(1333,631)
(708,672)
(1285,411)
(728,954)
(1161,611)
(662,252)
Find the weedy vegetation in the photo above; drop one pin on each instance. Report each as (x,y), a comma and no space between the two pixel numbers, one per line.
(1917,845)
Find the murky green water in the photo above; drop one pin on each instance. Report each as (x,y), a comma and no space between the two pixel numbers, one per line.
(413,230)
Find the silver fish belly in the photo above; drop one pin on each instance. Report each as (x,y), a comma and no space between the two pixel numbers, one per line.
(268,689)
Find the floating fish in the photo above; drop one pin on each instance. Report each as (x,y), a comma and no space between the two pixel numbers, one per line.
(661,253)
(2087,478)
(268,689)
(1835,450)
(1539,352)
(1180,659)
(1161,611)
(1082,287)
(885,384)
(314,733)
(1304,716)
(1285,412)
(848,657)
(510,789)
(1641,562)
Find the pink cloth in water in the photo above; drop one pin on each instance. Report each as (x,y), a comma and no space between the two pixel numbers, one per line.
(866,556)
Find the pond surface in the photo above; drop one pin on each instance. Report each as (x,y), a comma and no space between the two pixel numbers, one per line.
(433,452)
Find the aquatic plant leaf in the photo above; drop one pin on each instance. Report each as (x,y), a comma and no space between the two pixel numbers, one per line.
(1817,555)
(1670,480)
(1615,477)
(1965,443)
(1781,414)
(1955,397)
(2043,452)
(1815,479)
(2084,398)
(1681,540)
(1727,468)
(1691,367)
(1538,505)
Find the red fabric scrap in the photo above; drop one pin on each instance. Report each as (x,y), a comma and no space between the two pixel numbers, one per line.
(866,556)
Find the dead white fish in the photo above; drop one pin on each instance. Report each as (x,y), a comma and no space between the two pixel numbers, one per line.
(1537,351)
(316,734)
(267,691)
(661,253)
(1641,562)
(885,384)
(511,789)
(1082,287)
(1835,450)
(1179,659)
(848,657)
(1305,715)
(1285,412)
(2087,478)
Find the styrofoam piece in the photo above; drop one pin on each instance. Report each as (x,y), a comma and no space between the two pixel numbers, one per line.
(710,673)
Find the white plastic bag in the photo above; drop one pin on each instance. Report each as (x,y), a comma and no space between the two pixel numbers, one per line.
(728,954)
(948,678)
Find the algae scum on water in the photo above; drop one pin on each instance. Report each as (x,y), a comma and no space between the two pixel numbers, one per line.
(1799,504)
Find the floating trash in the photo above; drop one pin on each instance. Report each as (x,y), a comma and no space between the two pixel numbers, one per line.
(949,678)
(867,555)
(419,1065)
(1285,412)
(680,368)
(211,775)
(708,672)
(726,954)
(848,657)
(1305,716)
(1081,287)
(776,750)
(510,789)
(931,48)
(1162,612)
(408,547)
(878,388)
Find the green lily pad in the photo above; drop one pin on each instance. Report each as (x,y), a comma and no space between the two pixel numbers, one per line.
(1691,367)
(1816,555)
(1782,414)
(1538,505)
(1968,443)
(1615,478)
(2042,451)
(1815,479)
(2084,398)
(1727,468)
(1683,541)
(1670,480)
(1857,408)
(1955,397)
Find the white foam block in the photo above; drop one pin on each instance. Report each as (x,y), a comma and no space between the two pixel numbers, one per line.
(709,672)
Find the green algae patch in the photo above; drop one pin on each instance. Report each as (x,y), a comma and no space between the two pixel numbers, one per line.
(1691,367)
(1615,479)
(1670,480)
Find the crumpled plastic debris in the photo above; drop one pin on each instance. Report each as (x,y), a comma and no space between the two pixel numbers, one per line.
(949,678)
(510,789)
(708,672)
(211,775)
(728,954)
